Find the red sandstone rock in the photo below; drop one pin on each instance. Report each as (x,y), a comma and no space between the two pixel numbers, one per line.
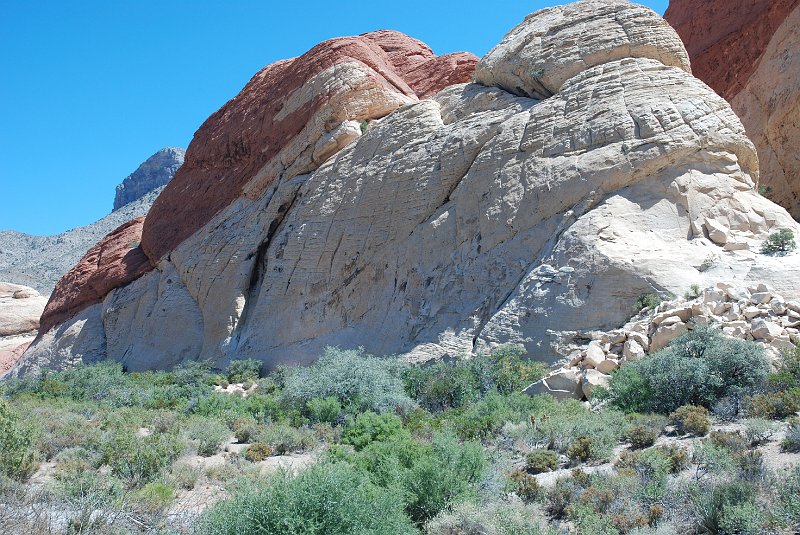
(270,128)
(115,261)
(9,357)
(726,38)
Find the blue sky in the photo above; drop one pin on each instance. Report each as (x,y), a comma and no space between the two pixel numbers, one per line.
(92,88)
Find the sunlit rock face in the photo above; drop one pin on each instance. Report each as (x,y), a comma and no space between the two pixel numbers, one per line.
(584,167)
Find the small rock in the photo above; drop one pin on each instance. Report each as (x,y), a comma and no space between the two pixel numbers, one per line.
(751,312)
(761,298)
(765,330)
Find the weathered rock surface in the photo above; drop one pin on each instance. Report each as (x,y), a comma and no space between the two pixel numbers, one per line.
(153,173)
(113,262)
(749,52)
(291,117)
(40,261)
(473,218)
(20,309)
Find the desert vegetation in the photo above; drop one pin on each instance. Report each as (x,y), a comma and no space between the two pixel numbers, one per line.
(701,437)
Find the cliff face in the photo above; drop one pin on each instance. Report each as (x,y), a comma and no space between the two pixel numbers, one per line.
(153,173)
(584,167)
(749,53)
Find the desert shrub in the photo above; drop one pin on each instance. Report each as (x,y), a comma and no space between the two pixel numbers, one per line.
(484,418)
(640,436)
(432,476)
(59,429)
(323,499)
(285,439)
(758,431)
(677,456)
(693,292)
(184,475)
(538,461)
(780,242)
(324,410)
(774,405)
(244,429)
(580,450)
(691,419)
(786,501)
(558,497)
(369,427)
(359,381)
(230,408)
(525,486)
(791,442)
(450,385)
(257,452)
(493,518)
(556,425)
(710,459)
(153,497)
(139,459)
(646,302)
(17,456)
(241,371)
(207,435)
(742,519)
(698,368)
(709,503)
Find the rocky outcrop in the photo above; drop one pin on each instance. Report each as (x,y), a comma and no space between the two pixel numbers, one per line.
(154,173)
(756,313)
(20,308)
(748,53)
(40,261)
(291,117)
(114,261)
(523,209)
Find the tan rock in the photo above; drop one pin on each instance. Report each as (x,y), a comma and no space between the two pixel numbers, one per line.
(633,350)
(664,335)
(762,329)
(563,384)
(591,380)
(607,366)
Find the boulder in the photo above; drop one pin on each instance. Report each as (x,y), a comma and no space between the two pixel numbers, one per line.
(592,379)
(563,384)
(762,329)
(664,335)
(20,309)
(632,350)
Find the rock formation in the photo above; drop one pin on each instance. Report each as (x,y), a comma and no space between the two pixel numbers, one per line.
(40,261)
(749,52)
(20,308)
(154,173)
(584,168)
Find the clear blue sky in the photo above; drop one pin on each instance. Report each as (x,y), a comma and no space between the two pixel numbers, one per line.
(91,88)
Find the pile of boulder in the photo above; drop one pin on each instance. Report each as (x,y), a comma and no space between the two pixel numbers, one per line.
(755,313)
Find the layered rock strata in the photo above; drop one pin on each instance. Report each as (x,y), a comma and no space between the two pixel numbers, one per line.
(749,52)
(755,313)
(526,208)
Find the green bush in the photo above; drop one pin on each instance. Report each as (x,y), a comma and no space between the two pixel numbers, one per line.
(691,419)
(324,410)
(646,302)
(538,461)
(139,460)
(285,439)
(322,500)
(791,442)
(786,492)
(758,431)
(241,371)
(774,405)
(710,502)
(780,242)
(453,384)
(17,457)
(257,452)
(580,450)
(369,427)
(525,486)
(699,368)
(640,436)
(431,476)
(244,429)
(359,381)
(484,418)
(493,518)
(207,435)
(153,497)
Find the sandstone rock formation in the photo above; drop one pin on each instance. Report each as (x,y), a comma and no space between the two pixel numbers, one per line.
(749,52)
(292,116)
(40,261)
(20,308)
(153,173)
(754,313)
(585,168)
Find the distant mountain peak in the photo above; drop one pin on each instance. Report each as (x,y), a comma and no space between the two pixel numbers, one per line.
(155,172)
